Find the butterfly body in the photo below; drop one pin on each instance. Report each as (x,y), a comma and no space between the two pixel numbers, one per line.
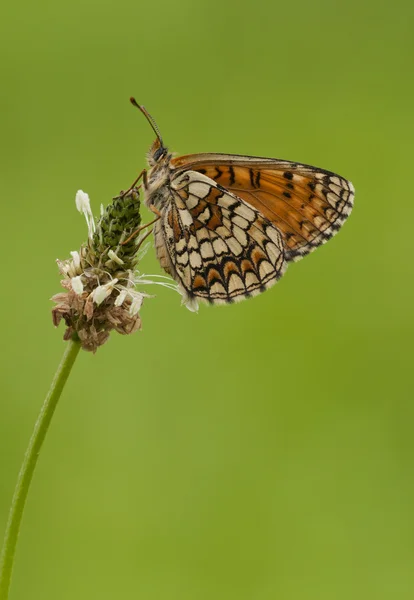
(229,225)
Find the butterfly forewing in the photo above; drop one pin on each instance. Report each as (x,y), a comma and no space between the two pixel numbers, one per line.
(306,204)
(218,247)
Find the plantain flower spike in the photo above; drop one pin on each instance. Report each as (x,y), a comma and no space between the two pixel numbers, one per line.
(100,278)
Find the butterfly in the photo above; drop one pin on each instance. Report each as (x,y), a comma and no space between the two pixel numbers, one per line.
(227,226)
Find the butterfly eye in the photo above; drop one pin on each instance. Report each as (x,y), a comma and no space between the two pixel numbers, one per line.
(159,154)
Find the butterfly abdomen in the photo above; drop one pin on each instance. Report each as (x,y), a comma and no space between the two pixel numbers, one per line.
(162,251)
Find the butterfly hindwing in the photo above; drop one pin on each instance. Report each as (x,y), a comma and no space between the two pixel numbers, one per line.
(218,247)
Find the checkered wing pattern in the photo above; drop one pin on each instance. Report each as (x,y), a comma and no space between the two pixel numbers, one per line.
(219,248)
(305,204)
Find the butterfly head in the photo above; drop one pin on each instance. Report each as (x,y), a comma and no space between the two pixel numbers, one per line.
(158,154)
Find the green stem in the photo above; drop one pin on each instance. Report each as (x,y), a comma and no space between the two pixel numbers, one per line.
(29,465)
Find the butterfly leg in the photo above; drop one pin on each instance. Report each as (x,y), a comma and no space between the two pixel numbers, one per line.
(155,210)
(133,234)
(143,174)
(143,240)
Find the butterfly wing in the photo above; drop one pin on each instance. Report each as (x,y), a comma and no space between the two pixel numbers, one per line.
(217,247)
(306,204)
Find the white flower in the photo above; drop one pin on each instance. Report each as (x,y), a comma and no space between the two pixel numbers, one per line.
(115,257)
(137,300)
(77,285)
(76,259)
(84,206)
(102,292)
(64,266)
(120,299)
(82,202)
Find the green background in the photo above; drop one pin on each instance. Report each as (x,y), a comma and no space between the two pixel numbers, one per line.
(252,452)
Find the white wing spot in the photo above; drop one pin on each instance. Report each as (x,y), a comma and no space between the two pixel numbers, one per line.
(335,188)
(192,243)
(265,269)
(217,289)
(243,223)
(180,245)
(319,221)
(199,189)
(273,234)
(182,259)
(247,212)
(235,283)
(195,260)
(273,252)
(192,202)
(240,235)
(222,232)
(203,234)
(205,216)
(250,279)
(185,216)
(332,199)
(234,246)
(220,247)
(206,250)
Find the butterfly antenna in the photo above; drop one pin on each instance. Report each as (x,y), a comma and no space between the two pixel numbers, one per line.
(149,119)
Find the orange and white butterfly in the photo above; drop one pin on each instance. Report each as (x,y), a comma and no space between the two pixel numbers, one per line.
(227,226)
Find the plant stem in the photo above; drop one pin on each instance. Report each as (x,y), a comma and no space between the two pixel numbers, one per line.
(29,465)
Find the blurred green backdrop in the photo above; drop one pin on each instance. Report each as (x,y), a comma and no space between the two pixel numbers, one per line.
(257,451)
